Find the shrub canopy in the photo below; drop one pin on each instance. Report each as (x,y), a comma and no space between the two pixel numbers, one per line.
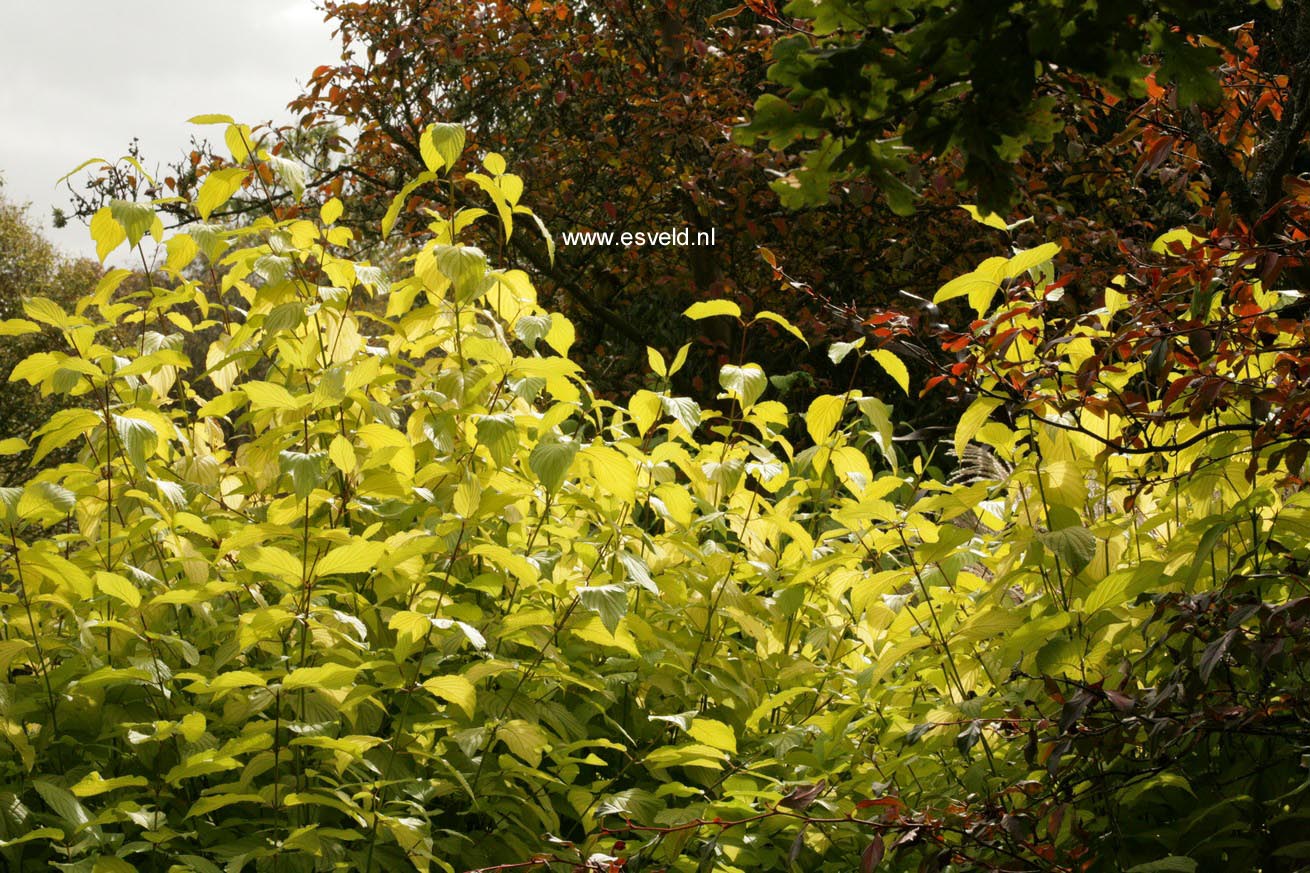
(378,583)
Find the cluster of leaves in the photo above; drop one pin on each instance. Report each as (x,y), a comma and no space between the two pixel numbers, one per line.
(868,84)
(383,584)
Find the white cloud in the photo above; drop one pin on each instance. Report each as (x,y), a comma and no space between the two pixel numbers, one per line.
(81,78)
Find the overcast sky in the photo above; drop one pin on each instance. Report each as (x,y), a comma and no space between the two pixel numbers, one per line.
(80,78)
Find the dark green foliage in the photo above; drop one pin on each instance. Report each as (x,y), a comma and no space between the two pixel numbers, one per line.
(877,82)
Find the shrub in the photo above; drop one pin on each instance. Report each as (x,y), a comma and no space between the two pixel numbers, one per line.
(382,585)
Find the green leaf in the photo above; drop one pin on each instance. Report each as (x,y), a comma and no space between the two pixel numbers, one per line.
(777,319)
(204,865)
(33,835)
(990,219)
(684,410)
(1075,546)
(893,366)
(1204,547)
(837,352)
(359,556)
(464,266)
(744,384)
(64,804)
(1109,591)
(638,572)
(441,145)
(284,316)
(1027,260)
(972,421)
(711,308)
(10,650)
(824,413)
(1190,67)
(118,587)
(136,219)
(218,801)
(500,434)
(714,733)
(456,690)
(1170,864)
(551,459)
(330,676)
(138,437)
(988,624)
(524,739)
(610,602)
(58,569)
(1125,585)
(94,784)
(470,633)
(10,497)
(218,188)
(531,328)
(306,470)
(290,173)
(45,499)
(107,232)
(635,804)
(398,202)
(879,415)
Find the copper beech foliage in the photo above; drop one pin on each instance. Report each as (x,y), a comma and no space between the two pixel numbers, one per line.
(626,112)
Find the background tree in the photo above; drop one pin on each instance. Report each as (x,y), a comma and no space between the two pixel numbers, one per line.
(628,114)
(867,82)
(30,266)
(627,111)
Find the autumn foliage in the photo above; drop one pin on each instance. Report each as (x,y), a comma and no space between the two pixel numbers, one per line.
(376,530)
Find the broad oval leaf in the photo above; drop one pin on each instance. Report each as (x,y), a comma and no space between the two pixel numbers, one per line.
(711,308)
